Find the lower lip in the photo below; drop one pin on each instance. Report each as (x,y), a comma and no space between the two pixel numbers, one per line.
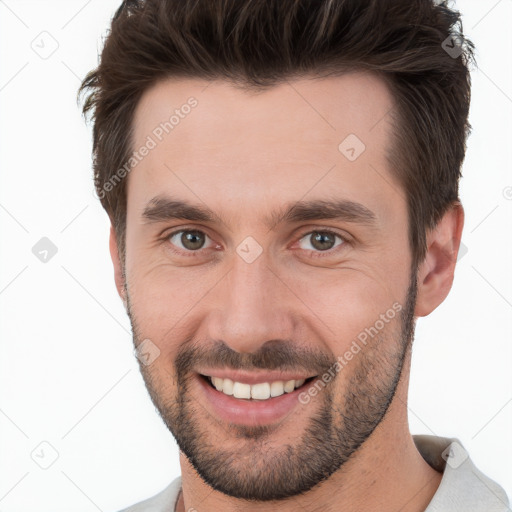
(250,412)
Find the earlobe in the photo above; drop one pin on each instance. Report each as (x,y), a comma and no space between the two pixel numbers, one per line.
(118,267)
(436,272)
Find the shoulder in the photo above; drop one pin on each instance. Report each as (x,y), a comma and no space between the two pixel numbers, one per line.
(164,501)
(463,486)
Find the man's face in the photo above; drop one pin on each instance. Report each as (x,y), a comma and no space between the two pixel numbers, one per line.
(271,287)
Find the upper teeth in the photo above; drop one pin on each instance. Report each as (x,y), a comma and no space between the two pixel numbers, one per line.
(261,391)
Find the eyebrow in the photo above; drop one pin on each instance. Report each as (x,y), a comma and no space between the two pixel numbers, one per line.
(165,208)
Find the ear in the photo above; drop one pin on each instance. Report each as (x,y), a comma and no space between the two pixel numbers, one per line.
(118,267)
(435,273)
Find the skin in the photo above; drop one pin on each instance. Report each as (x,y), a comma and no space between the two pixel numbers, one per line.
(244,155)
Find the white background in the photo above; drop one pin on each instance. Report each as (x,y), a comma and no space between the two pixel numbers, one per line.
(68,374)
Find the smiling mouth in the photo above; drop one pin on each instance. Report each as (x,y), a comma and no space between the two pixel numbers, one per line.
(260,391)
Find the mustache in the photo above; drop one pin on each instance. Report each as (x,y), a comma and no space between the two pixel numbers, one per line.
(282,355)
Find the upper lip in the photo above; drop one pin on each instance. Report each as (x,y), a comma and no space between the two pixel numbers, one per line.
(254,377)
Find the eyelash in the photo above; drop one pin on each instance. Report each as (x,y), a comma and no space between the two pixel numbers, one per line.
(315,254)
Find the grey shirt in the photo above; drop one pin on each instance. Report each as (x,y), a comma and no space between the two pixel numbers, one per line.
(463,487)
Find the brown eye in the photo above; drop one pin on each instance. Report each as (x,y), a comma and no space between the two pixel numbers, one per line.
(320,240)
(188,240)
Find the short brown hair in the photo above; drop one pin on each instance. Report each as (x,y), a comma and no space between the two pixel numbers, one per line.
(416,46)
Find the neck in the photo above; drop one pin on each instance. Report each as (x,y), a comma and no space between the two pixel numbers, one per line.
(387,473)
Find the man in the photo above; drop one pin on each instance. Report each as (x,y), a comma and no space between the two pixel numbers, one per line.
(282,181)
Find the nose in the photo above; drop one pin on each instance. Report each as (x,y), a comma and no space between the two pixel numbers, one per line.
(252,306)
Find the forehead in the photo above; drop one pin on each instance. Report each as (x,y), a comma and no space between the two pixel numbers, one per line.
(251,149)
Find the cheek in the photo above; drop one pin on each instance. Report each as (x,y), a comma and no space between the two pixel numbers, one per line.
(172,304)
(347,303)
(165,300)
